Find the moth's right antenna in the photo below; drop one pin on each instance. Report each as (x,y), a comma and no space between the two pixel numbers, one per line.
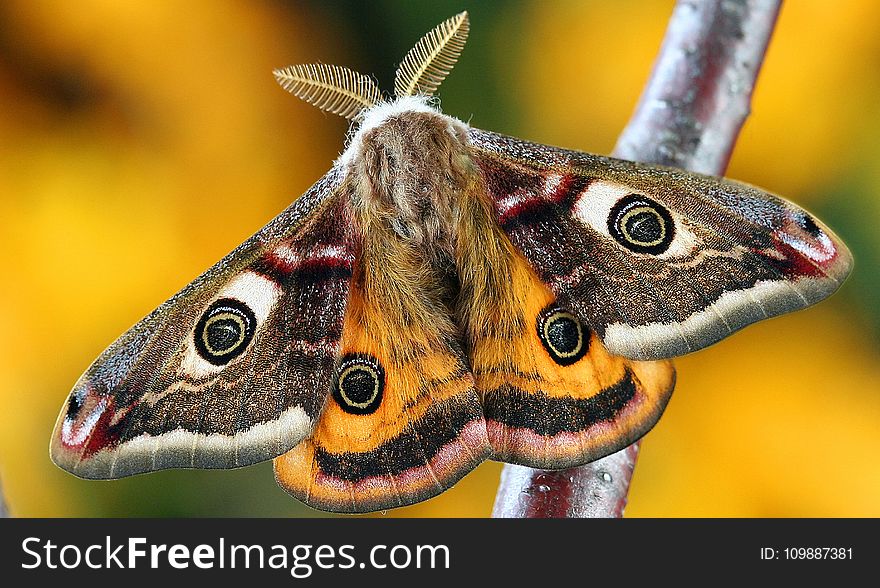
(430,61)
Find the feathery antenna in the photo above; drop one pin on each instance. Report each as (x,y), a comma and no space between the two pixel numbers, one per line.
(329,87)
(347,93)
(430,61)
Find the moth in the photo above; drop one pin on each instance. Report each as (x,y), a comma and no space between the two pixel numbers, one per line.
(442,296)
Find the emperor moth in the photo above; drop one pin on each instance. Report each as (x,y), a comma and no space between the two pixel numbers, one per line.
(442,296)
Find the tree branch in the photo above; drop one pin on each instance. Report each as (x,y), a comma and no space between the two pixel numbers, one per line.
(4,512)
(689,116)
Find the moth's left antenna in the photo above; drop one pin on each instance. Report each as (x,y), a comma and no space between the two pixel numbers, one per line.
(329,87)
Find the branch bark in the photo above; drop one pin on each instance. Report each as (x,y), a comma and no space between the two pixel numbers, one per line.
(689,116)
(4,512)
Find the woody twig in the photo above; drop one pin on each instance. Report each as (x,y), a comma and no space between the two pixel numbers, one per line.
(4,512)
(689,116)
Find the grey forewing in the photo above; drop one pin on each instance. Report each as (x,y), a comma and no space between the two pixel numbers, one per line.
(738,228)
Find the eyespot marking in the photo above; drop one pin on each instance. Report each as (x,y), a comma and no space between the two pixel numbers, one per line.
(641,224)
(562,334)
(224,331)
(359,384)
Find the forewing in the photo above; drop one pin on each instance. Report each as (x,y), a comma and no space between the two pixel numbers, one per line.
(232,370)
(657,261)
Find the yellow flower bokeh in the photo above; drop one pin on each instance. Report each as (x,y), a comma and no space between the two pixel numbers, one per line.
(139,143)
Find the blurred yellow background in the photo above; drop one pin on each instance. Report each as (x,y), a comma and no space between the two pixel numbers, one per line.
(140,142)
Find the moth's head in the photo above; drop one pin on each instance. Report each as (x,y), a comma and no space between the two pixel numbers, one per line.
(357,97)
(403,128)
